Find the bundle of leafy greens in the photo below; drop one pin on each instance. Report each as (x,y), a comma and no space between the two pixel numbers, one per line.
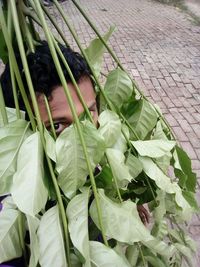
(93,220)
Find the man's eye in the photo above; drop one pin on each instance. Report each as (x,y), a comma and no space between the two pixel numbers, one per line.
(59,127)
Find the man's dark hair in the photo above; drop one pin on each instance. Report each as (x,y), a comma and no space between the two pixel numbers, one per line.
(43,72)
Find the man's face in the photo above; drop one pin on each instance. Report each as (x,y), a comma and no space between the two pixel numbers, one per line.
(60,110)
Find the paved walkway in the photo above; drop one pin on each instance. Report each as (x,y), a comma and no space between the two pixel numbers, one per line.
(160,46)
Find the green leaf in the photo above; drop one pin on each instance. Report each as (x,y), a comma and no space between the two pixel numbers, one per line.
(134,165)
(153,148)
(121,143)
(144,118)
(120,171)
(3,48)
(122,222)
(77,214)
(11,138)
(183,163)
(50,236)
(33,224)
(11,114)
(186,252)
(50,145)
(102,256)
(110,127)
(71,163)
(96,50)
(10,246)
(153,259)
(132,254)
(118,87)
(164,183)
(28,190)
(190,197)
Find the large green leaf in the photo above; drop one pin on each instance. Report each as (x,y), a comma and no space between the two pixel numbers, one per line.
(134,165)
(50,236)
(144,118)
(71,163)
(10,246)
(164,183)
(121,143)
(11,114)
(33,224)
(122,222)
(183,169)
(132,254)
(102,256)
(153,148)
(77,213)
(28,190)
(110,127)
(11,138)
(50,145)
(120,171)
(95,51)
(118,87)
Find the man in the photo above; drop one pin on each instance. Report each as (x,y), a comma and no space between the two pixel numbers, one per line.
(46,82)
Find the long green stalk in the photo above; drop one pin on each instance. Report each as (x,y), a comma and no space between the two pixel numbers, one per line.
(15,67)
(14,89)
(24,27)
(3,107)
(55,24)
(50,117)
(39,122)
(73,110)
(88,62)
(116,59)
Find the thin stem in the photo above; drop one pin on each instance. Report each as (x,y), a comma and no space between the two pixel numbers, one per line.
(116,184)
(24,27)
(142,255)
(152,192)
(13,81)
(74,82)
(21,236)
(50,117)
(40,126)
(55,24)
(15,67)
(25,64)
(73,110)
(116,59)
(3,107)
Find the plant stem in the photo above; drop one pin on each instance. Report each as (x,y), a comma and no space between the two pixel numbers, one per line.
(50,117)
(15,67)
(55,24)
(24,27)
(73,110)
(116,59)
(142,256)
(21,236)
(40,126)
(115,181)
(2,107)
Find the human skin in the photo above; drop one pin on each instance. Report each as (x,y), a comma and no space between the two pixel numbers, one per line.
(59,106)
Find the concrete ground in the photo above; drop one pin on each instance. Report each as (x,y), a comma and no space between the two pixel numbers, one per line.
(159,45)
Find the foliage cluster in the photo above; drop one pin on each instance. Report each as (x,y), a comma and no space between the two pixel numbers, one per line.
(75,215)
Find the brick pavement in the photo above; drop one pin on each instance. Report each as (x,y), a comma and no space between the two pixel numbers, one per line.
(160,47)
